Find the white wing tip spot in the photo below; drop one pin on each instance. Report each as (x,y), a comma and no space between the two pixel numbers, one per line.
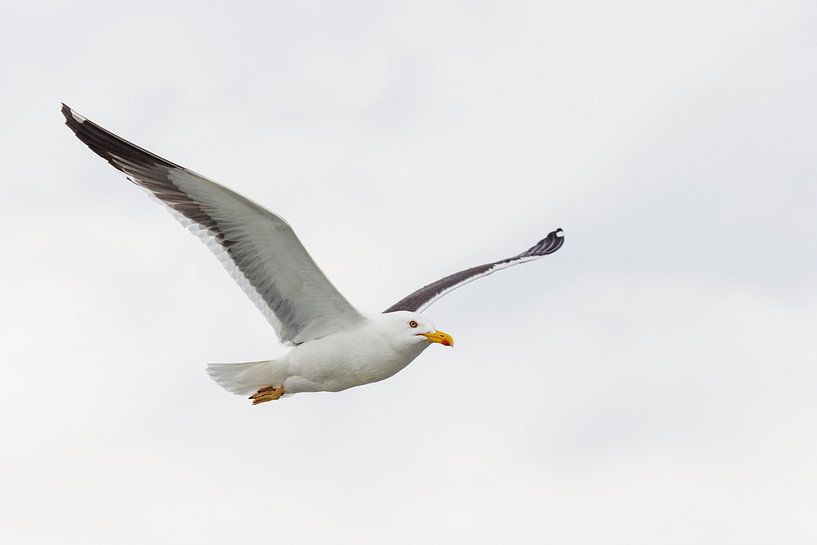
(78,118)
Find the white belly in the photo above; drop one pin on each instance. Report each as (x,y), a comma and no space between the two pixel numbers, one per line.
(345,360)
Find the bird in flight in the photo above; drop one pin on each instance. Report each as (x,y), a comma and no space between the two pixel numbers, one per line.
(334,345)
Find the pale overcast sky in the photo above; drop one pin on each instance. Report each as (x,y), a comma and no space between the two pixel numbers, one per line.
(653,382)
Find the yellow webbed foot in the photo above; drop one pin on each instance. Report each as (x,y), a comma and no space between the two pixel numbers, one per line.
(268,393)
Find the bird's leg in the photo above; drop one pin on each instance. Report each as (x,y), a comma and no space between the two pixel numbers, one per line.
(267,393)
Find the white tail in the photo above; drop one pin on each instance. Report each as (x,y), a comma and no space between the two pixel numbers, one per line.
(247,378)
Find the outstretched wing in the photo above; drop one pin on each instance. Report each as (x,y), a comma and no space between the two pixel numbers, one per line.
(427,295)
(259,249)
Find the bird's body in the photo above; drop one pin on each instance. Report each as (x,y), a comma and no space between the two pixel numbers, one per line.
(369,352)
(335,346)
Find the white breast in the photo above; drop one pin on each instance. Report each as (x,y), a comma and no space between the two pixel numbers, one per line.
(351,358)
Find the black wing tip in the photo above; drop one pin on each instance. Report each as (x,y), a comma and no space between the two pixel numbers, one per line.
(554,237)
(72,118)
(82,127)
(101,142)
(108,145)
(547,245)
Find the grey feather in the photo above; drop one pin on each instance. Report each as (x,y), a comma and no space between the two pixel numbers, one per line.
(258,248)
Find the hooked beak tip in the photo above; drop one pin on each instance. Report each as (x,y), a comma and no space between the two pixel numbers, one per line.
(440,337)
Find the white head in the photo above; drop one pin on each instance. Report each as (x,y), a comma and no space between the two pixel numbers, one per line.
(413,329)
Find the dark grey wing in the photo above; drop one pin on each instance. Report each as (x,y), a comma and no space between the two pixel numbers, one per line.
(425,296)
(259,249)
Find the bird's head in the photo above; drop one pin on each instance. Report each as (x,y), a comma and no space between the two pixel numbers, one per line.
(415,328)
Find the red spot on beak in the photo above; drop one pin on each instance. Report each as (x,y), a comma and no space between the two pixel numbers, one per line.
(445,342)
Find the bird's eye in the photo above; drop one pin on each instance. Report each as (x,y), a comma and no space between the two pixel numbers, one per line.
(412,324)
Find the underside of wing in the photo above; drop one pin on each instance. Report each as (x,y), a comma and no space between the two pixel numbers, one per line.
(258,248)
(427,295)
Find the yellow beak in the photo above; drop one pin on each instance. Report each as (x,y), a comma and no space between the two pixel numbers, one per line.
(439,337)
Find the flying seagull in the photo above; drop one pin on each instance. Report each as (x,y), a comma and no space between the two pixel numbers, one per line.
(335,346)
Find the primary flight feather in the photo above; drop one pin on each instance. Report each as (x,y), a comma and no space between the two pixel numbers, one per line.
(335,346)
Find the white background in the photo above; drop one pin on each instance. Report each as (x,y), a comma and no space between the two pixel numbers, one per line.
(652,382)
